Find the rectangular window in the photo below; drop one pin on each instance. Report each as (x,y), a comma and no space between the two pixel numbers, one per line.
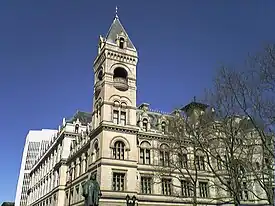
(116,117)
(166,186)
(244,192)
(199,160)
(164,158)
(183,160)
(145,124)
(186,188)
(123,118)
(118,181)
(219,163)
(144,156)
(229,187)
(146,185)
(203,186)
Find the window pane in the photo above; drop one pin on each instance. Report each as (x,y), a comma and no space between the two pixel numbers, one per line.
(118,181)
(115,117)
(123,118)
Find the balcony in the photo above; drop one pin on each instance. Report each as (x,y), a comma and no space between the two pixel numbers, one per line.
(121,83)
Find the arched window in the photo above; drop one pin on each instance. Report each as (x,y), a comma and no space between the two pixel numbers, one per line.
(219,162)
(76,128)
(96,151)
(199,161)
(145,124)
(118,150)
(257,165)
(163,127)
(119,113)
(164,155)
(121,43)
(183,159)
(144,154)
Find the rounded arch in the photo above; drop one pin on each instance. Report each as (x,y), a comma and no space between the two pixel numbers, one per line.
(120,72)
(120,138)
(94,143)
(99,73)
(120,99)
(116,103)
(164,146)
(98,102)
(123,104)
(126,100)
(114,66)
(144,115)
(145,144)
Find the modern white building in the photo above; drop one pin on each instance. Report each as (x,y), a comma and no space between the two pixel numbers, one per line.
(36,142)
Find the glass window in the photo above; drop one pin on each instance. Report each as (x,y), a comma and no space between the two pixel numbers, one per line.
(123,118)
(146,185)
(203,186)
(116,117)
(118,150)
(166,186)
(118,181)
(186,188)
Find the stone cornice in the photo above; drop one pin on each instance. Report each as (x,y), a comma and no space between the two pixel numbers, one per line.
(118,128)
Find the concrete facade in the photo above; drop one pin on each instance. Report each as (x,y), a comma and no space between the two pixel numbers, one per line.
(36,142)
(120,142)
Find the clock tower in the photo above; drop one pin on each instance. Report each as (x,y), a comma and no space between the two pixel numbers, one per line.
(113,147)
(115,78)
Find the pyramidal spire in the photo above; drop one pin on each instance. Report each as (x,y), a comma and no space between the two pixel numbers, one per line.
(115,30)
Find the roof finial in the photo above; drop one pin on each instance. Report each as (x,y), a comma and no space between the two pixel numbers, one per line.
(116,13)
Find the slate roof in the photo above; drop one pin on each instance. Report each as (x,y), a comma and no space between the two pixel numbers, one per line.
(153,117)
(116,29)
(84,117)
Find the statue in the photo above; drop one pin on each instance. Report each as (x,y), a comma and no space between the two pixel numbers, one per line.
(91,192)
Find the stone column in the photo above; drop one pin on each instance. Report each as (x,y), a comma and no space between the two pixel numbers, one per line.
(73,171)
(84,163)
(77,168)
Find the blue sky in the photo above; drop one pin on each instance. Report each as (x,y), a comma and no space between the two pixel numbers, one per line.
(47,49)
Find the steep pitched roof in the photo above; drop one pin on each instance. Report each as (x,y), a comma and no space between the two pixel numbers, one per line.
(84,117)
(116,29)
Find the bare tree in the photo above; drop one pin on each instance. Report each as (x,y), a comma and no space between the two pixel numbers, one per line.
(219,144)
(181,158)
(250,93)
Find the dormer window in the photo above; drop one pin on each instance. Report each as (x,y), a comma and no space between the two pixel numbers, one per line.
(145,124)
(163,127)
(121,43)
(76,128)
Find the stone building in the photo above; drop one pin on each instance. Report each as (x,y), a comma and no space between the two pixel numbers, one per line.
(119,141)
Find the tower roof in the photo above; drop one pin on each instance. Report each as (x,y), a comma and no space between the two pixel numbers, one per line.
(117,29)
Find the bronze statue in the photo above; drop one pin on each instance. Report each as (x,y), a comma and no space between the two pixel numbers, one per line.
(91,192)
